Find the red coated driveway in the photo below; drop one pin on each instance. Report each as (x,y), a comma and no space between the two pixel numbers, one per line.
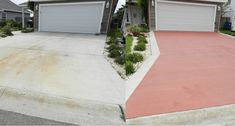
(194,70)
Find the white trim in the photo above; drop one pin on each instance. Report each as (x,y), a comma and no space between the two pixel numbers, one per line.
(73,3)
(215,13)
(14,11)
(184,3)
(156,22)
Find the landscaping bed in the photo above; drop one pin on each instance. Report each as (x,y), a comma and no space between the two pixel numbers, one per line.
(138,48)
(114,51)
(8,26)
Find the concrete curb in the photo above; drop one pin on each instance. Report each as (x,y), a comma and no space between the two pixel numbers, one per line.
(58,108)
(187,117)
(134,80)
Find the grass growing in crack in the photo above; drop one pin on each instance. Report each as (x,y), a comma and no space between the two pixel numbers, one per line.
(122,116)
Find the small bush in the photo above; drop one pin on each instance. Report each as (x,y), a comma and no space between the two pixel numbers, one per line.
(144,28)
(135,57)
(140,47)
(113,47)
(114,53)
(120,60)
(129,67)
(2,35)
(6,30)
(27,30)
(142,39)
(3,23)
(115,33)
(135,29)
(111,41)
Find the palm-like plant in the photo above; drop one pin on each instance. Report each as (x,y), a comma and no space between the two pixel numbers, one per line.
(143,4)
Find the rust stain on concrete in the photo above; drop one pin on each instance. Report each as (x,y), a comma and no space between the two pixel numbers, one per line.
(72,104)
(21,62)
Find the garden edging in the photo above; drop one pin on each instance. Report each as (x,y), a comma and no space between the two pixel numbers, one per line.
(134,80)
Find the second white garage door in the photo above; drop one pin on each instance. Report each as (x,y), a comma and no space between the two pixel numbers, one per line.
(83,17)
(177,16)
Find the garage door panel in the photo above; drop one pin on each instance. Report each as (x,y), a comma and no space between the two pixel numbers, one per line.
(185,17)
(79,18)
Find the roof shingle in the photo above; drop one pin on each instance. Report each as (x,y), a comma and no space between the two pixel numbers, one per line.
(8,5)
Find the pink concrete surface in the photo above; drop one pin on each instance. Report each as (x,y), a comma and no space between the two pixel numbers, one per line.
(194,70)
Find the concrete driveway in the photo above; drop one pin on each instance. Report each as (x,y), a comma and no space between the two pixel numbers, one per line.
(61,64)
(194,71)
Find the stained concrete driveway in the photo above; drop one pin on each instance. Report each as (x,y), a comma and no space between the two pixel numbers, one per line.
(61,64)
(194,71)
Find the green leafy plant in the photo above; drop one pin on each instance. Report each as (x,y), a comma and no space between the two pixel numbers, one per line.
(135,57)
(113,47)
(144,28)
(115,33)
(6,30)
(135,29)
(142,39)
(140,47)
(114,53)
(2,35)
(129,67)
(120,60)
(143,4)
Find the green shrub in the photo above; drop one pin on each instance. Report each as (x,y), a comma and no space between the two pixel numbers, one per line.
(144,28)
(27,30)
(111,41)
(2,35)
(120,60)
(13,25)
(115,33)
(135,29)
(113,47)
(135,57)
(140,47)
(142,39)
(6,30)
(129,67)
(114,53)
(3,23)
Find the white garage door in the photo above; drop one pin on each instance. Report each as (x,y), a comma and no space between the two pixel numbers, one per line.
(83,17)
(176,16)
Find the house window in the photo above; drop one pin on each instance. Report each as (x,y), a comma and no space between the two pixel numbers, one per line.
(4,15)
(127,17)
